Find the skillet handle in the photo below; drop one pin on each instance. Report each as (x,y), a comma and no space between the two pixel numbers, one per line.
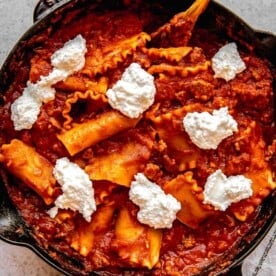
(44,7)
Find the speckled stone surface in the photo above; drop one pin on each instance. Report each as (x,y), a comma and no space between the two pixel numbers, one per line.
(259,14)
(15,18)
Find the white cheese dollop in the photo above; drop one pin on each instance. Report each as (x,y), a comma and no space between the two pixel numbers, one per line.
(24,111)
(77,188)
(65,61)
(42,90)
(221,191)
(157,209)
(227,62)
(133,93)
(208,130)
(71,57)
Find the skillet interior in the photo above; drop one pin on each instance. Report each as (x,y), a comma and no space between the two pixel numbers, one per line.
(12,227)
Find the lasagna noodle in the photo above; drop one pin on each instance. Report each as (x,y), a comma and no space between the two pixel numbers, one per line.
(182,71)
(84,135)
(172,54)
(258,170)
(87,234)
(255,145)
(184,154)
(186,190)
(262,185)
(136,243)
(121,164)
(97,99)
(169,129)
(73,83)
(108,58)
(29,166)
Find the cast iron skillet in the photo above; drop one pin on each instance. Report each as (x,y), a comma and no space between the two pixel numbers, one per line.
(12,227)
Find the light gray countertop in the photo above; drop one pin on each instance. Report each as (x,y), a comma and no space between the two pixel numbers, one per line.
(15,18)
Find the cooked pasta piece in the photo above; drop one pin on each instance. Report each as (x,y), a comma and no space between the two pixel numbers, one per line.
(262,185)
(87,234)
(185,154)
(164,68)
(119,165)
(109,57)
(186,190)
(136,243)
(93,131)
(73,83)
(94,100)
(170,130)
(98,86)
(29,166)
(172,54)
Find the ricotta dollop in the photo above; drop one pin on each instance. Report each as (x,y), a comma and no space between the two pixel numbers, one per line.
(227,62)
(208,130)
(157,209)
(65,61)
(134,93)
(77,189)
(71,57)
(221,191)
(24,111)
